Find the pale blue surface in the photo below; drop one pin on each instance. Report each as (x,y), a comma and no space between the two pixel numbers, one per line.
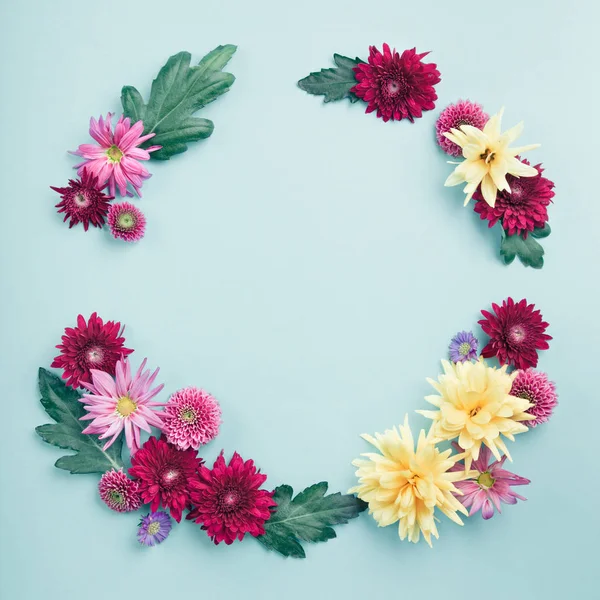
(307,267)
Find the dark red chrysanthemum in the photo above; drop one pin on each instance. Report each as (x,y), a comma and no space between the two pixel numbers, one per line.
(516,333)
(91,345)
(524,208)
(396,86)
(228,502)
(83,201)
(164,474)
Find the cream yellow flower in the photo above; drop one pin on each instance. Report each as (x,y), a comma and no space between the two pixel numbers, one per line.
(488,158)
(476,407)
(406,484)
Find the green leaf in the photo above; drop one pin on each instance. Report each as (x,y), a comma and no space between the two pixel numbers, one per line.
(178,91)
(334,83)
(308,517)
(63,405)
(530,253)
(541,232)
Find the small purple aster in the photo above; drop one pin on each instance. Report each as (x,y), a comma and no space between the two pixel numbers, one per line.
(463,347)
(154,528)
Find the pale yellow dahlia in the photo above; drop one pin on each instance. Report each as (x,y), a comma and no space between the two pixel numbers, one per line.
(488,158)
(476,407)
(406,484)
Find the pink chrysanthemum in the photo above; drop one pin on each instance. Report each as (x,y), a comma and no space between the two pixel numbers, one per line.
(126,222)
(516,332)
(83,201)
(396,86)
(491,485)
(165,475)
(122,403)
(523,208)
(115,160)
(539,390)
(464,112)
(91,345)
(119,492)
(192,417)
(228,502)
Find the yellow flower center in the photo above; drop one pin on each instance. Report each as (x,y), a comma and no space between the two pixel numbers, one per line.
(154,528)
(125,406)
(464,348)
(474,411)
(488,156)
(188,415)
(114,154)
(485,480)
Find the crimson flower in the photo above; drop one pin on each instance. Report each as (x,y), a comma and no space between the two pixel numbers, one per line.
(228,502)
(164,474)
(91,345)
(516,332)
(396,86)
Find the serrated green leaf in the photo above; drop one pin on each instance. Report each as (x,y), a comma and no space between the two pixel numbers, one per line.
(63,405)
(178,91)
(542,232)
(530,253)
(334,83)
(308,517)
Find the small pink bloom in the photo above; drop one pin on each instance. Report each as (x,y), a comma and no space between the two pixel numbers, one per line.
(540,391)
(126,222)
(119,492)
(115,159)
(192,417)
(464,112)
(490,488)
(122,403)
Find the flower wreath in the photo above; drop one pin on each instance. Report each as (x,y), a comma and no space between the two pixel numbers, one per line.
(506,189)
(157,130)
(478,405)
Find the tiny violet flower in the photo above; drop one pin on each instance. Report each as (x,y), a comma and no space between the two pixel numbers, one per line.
(463,347)
(154,528)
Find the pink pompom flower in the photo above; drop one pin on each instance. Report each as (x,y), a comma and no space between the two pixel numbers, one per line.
(115,159)
(539,390)
(454,116)
(126,222)
(192,417)
(119,492)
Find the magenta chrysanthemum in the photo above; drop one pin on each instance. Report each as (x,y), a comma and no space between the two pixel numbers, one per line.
(119,492)
(228,502)
(83,201)
(126,222)
(115,160)
(91,345)
(164,475)
(464,112)
(539,390)
(122,404)
(516,332)
(396,86)
(192,417)
(523,208)
(489,487)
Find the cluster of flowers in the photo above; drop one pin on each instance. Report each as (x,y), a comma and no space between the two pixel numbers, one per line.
(478,407)
(166,471)
(113,163)
(506,188)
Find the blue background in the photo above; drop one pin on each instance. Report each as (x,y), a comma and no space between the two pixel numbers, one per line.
(306,265)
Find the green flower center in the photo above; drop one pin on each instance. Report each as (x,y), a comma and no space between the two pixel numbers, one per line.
(80,200)
(116,497)
(126,221)
(188,415)
(154,528)
(525,396)
(485,480)
(114,154)
(464,349)
(125,406)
